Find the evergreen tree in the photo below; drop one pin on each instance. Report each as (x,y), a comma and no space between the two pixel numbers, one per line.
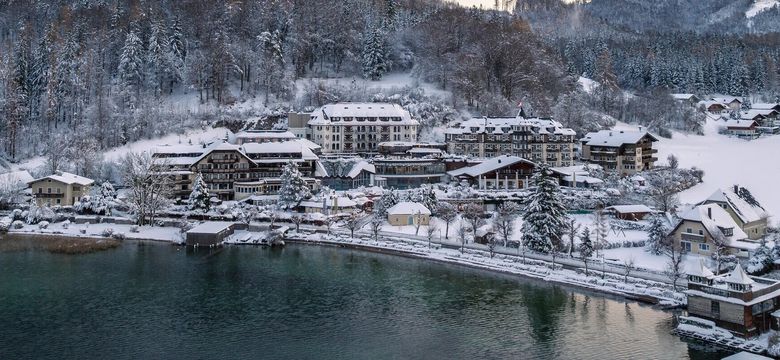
(585,248)
(130,71)
(375,61)
(544,218)
(761,260)
(199,197)
(657,233)
(158,59)
(293,189)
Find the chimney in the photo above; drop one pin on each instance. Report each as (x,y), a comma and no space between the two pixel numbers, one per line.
(610,133)
(709,212)
(640,128)
(736,189)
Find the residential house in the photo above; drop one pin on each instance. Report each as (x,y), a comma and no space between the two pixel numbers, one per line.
(749,215)
(408,213)
(743,129)
(766,106)
(731,102)
(702,228)
(577,176)
(713,107)
(689,99)
(62,189)
(535,139)
(745,305)
(360,127)
(506,172)
(346,174)
(620,151)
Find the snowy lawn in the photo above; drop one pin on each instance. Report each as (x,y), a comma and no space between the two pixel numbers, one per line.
(169,234)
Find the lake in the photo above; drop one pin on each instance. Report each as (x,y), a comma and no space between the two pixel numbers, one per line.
(147,300)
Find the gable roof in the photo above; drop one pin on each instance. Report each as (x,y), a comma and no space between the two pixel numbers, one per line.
(744,210)
(765,106)
(408,208)
(15,179)
(67,178)
(615,138)
(489,165)
(714,218)
(741,124)
(627,209)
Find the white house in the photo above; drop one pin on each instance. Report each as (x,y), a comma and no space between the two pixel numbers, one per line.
(408,213)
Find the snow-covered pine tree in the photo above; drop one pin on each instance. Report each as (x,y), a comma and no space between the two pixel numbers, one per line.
(375,59)
(657,233)
(130,71)
(761,260)
(585,248)
(293,189)
(544,218)
(158,62)
(199,197)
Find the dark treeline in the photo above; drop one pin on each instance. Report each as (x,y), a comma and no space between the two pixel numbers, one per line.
(101,73)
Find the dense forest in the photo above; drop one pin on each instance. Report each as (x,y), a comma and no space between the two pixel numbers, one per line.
(100,73)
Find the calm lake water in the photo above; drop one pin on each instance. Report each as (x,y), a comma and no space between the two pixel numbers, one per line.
(161,302)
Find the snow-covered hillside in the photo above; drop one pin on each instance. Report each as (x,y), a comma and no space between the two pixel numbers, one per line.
(759,6)
(728,161)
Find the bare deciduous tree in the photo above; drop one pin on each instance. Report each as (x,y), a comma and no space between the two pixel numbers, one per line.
(150,187)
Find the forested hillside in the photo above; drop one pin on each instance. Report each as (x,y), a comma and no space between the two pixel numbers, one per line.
(684,46)
(90,74)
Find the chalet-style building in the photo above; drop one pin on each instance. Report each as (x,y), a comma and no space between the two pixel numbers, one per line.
(713,107)
(329,205)
(505,172)
(766,106)
(620,151)
(360,127)
(745,305)
(743,129)
(689,99)
(346,174)
(62,188)
(538,140)
(577,176)
(731,102)
(408,213)
(703,227)
(749,215)
(235,172)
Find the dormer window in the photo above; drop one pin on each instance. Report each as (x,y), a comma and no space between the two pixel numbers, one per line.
(738,287)
(727,231)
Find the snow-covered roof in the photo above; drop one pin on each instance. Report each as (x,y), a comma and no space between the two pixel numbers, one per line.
(624,209)
(307,143)
(740,124)
(738,276)
(67,178)
(727,99)
(708,103)
(683,96)
(211,227)
(266,135)
(339,201)
(424,151)
(346,113)
(765,106)
(615,138)
(286,147)
(752,114)
(361,166)
(744,355)
(408,208)
(714,218)
(697,268)
(744,210)
(489,165)
(181,149)
(504,125)
(15,179)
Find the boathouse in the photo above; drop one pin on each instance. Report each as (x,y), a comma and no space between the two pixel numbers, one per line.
(210,233)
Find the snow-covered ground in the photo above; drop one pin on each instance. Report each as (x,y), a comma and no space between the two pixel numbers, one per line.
(388,82)
(759,6)
(727,161)
(170,234)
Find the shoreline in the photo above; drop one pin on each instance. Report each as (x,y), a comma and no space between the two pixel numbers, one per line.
(645,299)
(542,268)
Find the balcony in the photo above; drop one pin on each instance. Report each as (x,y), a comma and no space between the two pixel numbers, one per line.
(692,237)
(49,196)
